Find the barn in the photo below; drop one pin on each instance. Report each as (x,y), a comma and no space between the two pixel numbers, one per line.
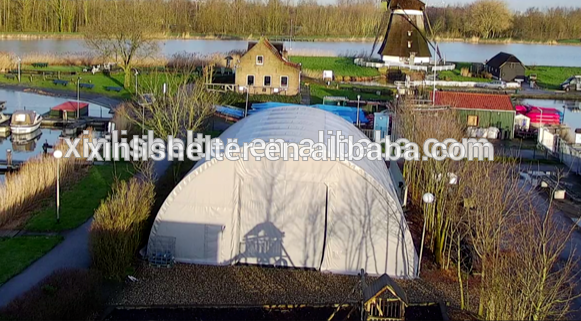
(329,215)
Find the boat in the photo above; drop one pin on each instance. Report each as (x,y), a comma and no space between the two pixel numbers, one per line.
(25,121)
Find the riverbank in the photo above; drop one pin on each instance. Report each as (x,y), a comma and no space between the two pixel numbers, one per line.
(360,39)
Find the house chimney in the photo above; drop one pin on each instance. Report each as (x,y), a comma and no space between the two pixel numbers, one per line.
(285,54)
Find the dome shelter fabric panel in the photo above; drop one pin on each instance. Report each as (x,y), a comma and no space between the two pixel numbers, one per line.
(337,216)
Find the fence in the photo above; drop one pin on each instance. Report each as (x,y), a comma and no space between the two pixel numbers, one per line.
(381,64)
(568,154)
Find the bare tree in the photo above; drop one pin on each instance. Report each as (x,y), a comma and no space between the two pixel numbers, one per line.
(184,106)
(125,34)
(489,18)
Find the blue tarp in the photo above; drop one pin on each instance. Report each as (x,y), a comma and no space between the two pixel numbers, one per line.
(347,113)
(230,111)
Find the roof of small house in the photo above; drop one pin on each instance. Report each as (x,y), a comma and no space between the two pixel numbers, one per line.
(463,100)
(277,49)
(500,59)
(70,106)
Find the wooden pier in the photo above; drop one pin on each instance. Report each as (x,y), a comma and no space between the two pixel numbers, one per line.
(69,126)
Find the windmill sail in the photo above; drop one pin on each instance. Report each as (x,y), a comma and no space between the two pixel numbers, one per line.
(405,39)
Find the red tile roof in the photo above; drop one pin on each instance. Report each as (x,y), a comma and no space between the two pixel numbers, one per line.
(70,106)
(277,53)
(464,100)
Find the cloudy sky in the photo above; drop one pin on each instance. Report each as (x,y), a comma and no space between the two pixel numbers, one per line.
(514,4)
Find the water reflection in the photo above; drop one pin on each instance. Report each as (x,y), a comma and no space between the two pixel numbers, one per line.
(25,142)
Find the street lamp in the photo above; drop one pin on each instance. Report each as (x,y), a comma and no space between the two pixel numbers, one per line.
(19,61)
(78,97)
(136,73)
(58,154)
(428,199)
(358,99)
(246,108)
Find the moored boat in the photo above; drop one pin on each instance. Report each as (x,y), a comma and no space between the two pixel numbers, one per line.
(25,121)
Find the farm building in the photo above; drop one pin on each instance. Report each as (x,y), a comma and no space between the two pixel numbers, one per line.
(505,66)
(265,69)
(69,110)
(481,110)
(328,215)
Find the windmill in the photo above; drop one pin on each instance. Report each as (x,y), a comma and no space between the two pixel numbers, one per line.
(404,40)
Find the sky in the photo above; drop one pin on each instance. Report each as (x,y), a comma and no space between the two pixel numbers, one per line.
(520,5)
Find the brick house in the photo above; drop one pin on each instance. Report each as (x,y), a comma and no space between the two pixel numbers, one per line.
(265,69)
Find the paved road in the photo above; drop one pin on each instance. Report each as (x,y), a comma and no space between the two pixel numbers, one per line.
(73,252)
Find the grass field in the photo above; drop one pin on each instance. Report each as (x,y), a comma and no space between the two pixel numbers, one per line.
(78,204)
(19,252)
(100,81)
(552,77)
(455,75)
(571,41)
(341,66)
(318,92)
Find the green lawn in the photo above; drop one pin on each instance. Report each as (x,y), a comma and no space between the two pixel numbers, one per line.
(552,77)
(569,41)
(79,203)
(455,75)
(100,81)
(341,66)
(318,92)
(19,252)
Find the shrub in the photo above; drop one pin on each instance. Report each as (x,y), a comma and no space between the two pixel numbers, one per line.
(23,191)
(117,229)
(66,294)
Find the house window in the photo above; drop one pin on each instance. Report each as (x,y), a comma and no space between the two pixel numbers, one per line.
(259,60)
(472,121)
(409,44)
(266,81)
(250,80)
(409,33)
(284,81)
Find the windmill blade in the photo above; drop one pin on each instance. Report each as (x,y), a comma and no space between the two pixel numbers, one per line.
(380,31)
(417,28)
(431,32)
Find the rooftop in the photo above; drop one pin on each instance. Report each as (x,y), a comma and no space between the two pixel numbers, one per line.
(502,58)
(70,106)
(276,48)
(464,100)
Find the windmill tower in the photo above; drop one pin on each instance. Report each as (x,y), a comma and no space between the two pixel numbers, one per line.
(405,40)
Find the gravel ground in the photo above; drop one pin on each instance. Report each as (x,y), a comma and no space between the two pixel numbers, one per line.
(189,284)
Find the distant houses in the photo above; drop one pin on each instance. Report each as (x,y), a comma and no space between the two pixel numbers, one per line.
(481,110)
(505,66)
(265,69)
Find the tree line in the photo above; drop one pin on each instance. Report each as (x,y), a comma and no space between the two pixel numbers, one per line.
(488,19)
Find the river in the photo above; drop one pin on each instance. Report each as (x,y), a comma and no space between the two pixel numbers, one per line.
(26,146)
(530,54)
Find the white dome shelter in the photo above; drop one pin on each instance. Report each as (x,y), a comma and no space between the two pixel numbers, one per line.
(336,216)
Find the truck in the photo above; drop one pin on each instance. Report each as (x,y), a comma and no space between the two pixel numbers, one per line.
(573,83)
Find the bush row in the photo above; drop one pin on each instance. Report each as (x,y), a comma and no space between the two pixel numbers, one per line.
(117,229)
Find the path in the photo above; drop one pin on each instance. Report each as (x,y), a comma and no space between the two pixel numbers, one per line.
(73,252)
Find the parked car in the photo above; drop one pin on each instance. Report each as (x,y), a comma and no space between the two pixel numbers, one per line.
(497,84)
(573,83)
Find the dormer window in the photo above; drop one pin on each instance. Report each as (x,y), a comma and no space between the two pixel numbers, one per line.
(259,60)
(409,44)
(409,33)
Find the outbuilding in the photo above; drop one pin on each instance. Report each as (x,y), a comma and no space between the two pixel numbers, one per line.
(506,67)
(481,110)
(339,216)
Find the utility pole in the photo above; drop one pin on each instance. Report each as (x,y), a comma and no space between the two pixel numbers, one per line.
(78,97)
(19,61)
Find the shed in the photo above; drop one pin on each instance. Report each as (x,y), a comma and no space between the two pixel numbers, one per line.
(522,122)
(505,66)
(381,123)
(330,215)
(70,109)
(481,110)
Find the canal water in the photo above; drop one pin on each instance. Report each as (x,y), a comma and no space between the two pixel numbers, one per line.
(530,54)
(28,145)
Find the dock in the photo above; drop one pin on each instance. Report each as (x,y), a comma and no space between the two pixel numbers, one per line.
(69,126)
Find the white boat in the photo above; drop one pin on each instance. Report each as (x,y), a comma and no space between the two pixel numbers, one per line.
(25,121)
(3,118)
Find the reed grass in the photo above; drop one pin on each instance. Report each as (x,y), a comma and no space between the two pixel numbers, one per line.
(117,230)
(23,191)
